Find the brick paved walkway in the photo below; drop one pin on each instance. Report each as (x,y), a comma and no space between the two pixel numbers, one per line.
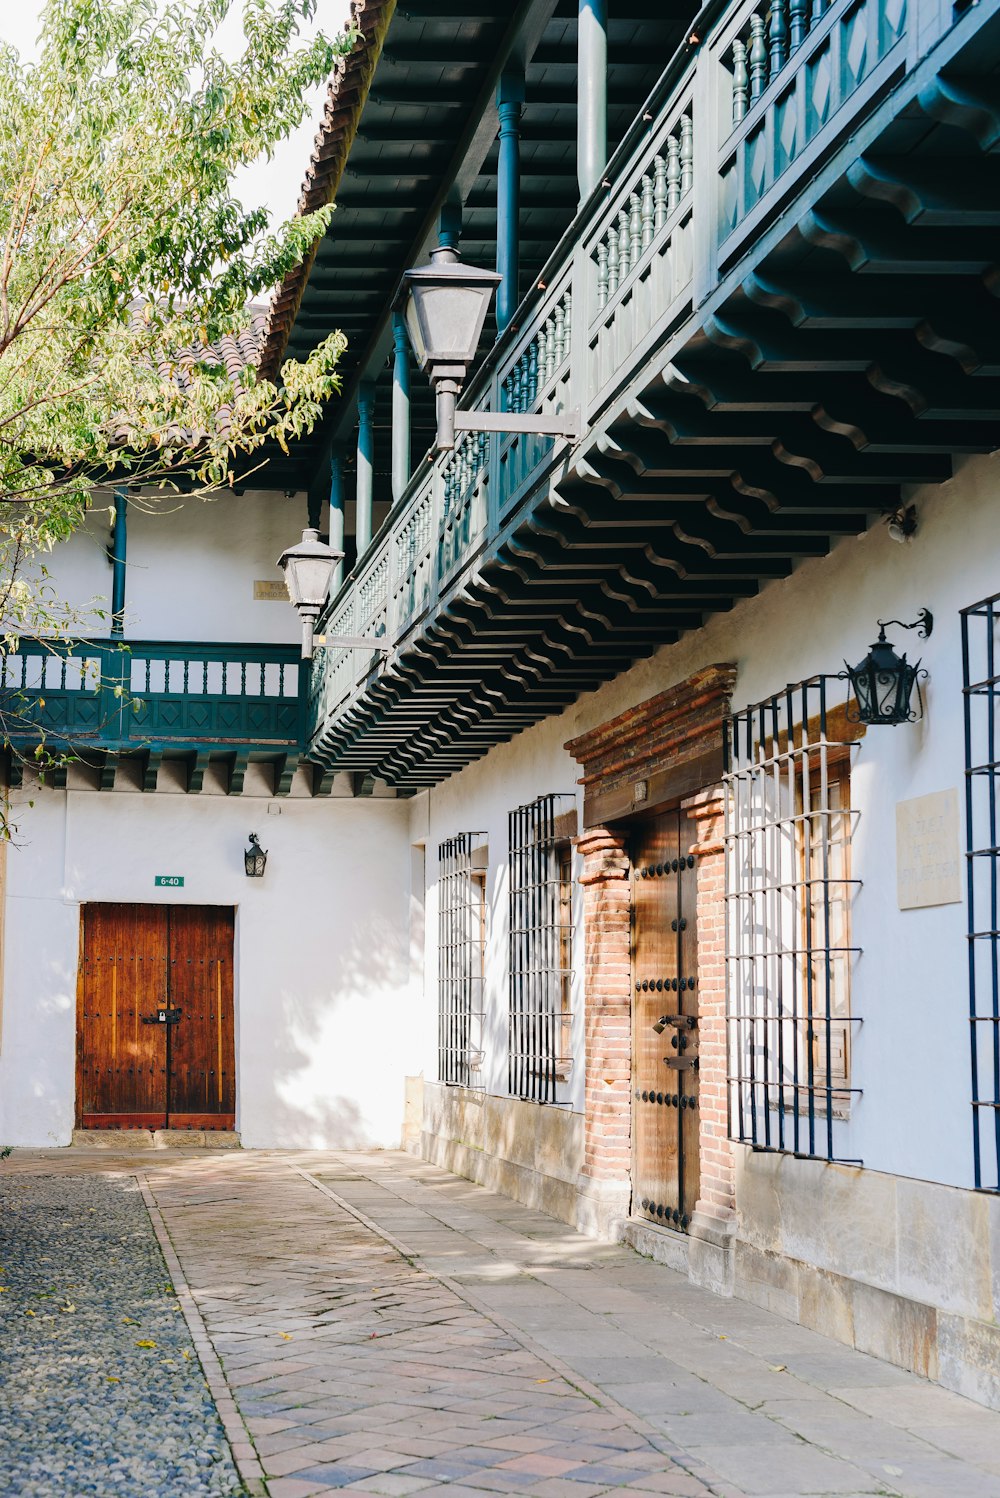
(386,1328)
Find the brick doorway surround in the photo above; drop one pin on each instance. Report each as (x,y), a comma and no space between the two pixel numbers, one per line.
(666,750)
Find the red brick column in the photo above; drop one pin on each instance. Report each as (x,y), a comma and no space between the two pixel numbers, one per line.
(608,1004)
(717,1200)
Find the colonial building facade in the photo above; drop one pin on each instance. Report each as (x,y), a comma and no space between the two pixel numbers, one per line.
(592,874)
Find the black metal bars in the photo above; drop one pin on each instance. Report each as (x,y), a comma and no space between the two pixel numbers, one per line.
(461,957)
(981,693)
(788,895)
(540,955)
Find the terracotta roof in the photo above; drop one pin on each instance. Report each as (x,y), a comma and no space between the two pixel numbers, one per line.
(344,102)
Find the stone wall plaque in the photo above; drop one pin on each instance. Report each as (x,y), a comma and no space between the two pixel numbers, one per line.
(265,591)
(928,857)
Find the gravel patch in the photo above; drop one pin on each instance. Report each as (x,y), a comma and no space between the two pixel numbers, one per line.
(101,1391)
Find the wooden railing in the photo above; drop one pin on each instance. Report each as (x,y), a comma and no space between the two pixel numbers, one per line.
(727,137)
(128,694)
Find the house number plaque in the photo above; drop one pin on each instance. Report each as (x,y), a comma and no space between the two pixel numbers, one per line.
(169,881)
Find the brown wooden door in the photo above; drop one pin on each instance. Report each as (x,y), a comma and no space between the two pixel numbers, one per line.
(155,1019)
(665,1174)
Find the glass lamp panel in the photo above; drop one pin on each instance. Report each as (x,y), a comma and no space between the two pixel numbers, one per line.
(451,319)
(312,578)
(415,329)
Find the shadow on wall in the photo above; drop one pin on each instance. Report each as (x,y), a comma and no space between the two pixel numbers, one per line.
(327,1071)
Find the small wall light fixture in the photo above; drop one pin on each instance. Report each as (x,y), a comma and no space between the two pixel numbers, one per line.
(883,682)
(255,858)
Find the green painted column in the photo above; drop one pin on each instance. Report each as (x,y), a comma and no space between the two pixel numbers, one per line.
(592,95)
(510,98)
(366,466)
(337,515)
(400,406)
(119,543)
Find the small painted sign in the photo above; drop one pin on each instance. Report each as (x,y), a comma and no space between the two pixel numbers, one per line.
(928,861)
(169,881)
(266,591)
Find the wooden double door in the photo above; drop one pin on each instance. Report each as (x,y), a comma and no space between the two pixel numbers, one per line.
(155,1018)
(665,1131)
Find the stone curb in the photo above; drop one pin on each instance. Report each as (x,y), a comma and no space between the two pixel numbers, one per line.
(240,1440)
(692,1465)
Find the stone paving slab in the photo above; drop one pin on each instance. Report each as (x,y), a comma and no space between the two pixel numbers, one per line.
(384,1328)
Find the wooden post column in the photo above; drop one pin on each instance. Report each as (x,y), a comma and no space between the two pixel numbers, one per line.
(337,515)
(510,97)
(119,543)
(366,469)
(608,1016)
(400,406)
(592,95)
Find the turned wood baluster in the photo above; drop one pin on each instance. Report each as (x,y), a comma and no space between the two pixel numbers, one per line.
(778,35)
(647,211)
(673,173)
(532,373)
(568,304)
(614,266)
(635,228)
(602,285)
(560,349)
(741,82)
(798,22)
(687,154)
(659,193)
(623,244)
(758,57)
(550,328)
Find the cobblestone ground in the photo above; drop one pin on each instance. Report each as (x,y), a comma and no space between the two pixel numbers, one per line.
(100,1390)
(386,1328)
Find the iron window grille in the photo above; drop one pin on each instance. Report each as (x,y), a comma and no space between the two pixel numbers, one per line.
(461,957)
(981,691)
(789,890)
(541,947)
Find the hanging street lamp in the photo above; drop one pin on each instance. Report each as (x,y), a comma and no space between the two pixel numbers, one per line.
(444,306)
(883,682)
(255,858)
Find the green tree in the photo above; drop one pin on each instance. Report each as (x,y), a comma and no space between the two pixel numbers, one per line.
(125,257)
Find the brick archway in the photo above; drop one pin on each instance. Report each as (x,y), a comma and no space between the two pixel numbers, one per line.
(666,750)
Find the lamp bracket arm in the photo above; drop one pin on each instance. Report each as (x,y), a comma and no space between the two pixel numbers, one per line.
(923,623)
(567,425)
(353,642)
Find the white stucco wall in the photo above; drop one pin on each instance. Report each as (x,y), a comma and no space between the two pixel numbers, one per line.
(191,566)
(323,998)
(911,1054)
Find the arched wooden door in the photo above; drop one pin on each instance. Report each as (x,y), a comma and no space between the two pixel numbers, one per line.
(155,1044)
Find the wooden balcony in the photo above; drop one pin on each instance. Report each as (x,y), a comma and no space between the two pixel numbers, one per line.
(97,702)
(773,315)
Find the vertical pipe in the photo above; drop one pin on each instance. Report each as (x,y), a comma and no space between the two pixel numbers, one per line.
(592,95)
(366,459)
(337,516)
(118,549)
(400,406)
(510,97)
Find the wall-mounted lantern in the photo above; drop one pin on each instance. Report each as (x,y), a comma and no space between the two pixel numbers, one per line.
(255,858)
(883,682)
(308,569)
(444,306)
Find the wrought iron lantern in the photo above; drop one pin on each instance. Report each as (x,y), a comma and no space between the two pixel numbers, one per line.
(255,858)
(308,568)
(444,305)
(883,682)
